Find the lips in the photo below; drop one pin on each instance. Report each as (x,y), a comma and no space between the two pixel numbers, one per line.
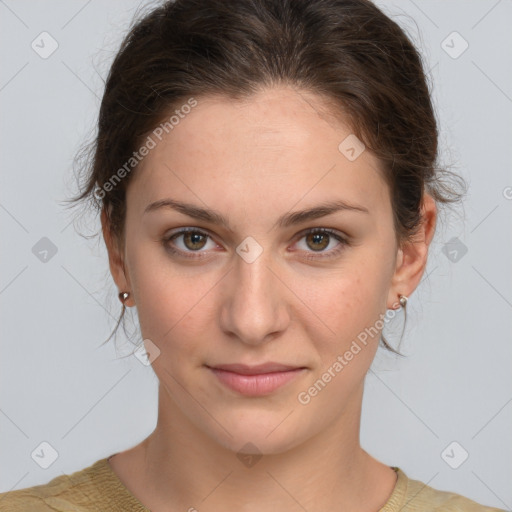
(259,369)
(256,380)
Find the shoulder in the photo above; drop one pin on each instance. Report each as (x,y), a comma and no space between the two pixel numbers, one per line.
(81,491)
(417,496)
(22,501)
(58,494)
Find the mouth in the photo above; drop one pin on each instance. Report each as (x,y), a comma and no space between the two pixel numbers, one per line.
(255,380)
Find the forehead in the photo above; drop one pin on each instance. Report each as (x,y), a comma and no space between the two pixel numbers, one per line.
(276,147)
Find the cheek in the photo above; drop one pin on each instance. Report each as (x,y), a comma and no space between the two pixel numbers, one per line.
(348,307)
(174,308)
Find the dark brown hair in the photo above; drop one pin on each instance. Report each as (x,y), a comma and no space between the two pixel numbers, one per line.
(348,51)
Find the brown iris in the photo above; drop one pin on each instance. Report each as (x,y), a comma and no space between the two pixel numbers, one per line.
(194,237)
(316,237)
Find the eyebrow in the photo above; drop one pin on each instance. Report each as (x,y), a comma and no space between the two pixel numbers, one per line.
(285,220)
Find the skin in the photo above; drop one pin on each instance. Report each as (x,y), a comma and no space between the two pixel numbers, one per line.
(253,161)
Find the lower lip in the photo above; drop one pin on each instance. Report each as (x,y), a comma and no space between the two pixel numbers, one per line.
(256,385)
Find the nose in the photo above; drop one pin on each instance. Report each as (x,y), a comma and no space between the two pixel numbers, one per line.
(255,307)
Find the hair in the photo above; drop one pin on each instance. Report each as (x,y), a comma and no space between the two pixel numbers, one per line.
(348,51)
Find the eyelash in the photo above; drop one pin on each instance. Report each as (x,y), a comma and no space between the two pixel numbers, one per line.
(331,254)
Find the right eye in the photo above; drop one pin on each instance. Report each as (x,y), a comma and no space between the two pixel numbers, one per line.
(193,240)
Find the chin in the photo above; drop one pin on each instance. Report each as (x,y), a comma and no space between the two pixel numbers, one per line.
(258,433)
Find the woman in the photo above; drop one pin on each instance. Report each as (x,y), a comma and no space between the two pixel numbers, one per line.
(266,175)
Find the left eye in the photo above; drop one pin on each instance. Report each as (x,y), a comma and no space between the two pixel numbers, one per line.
(320,239)
(193,240)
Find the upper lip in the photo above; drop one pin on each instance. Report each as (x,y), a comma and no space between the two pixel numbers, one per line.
(244,369)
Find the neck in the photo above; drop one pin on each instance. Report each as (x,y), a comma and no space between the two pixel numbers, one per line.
(179,464)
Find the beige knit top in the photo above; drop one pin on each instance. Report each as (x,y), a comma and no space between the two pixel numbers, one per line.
(97,488)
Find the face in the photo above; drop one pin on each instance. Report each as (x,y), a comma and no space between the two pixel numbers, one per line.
(269,285)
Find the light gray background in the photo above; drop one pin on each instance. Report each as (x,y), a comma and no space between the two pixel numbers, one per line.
(58,386)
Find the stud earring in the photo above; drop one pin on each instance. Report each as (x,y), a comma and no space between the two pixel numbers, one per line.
(123,296)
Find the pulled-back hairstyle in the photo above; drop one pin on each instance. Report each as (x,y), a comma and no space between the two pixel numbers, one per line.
(348,51)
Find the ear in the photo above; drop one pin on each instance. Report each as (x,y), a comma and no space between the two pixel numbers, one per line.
(116,261)
(412,257)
